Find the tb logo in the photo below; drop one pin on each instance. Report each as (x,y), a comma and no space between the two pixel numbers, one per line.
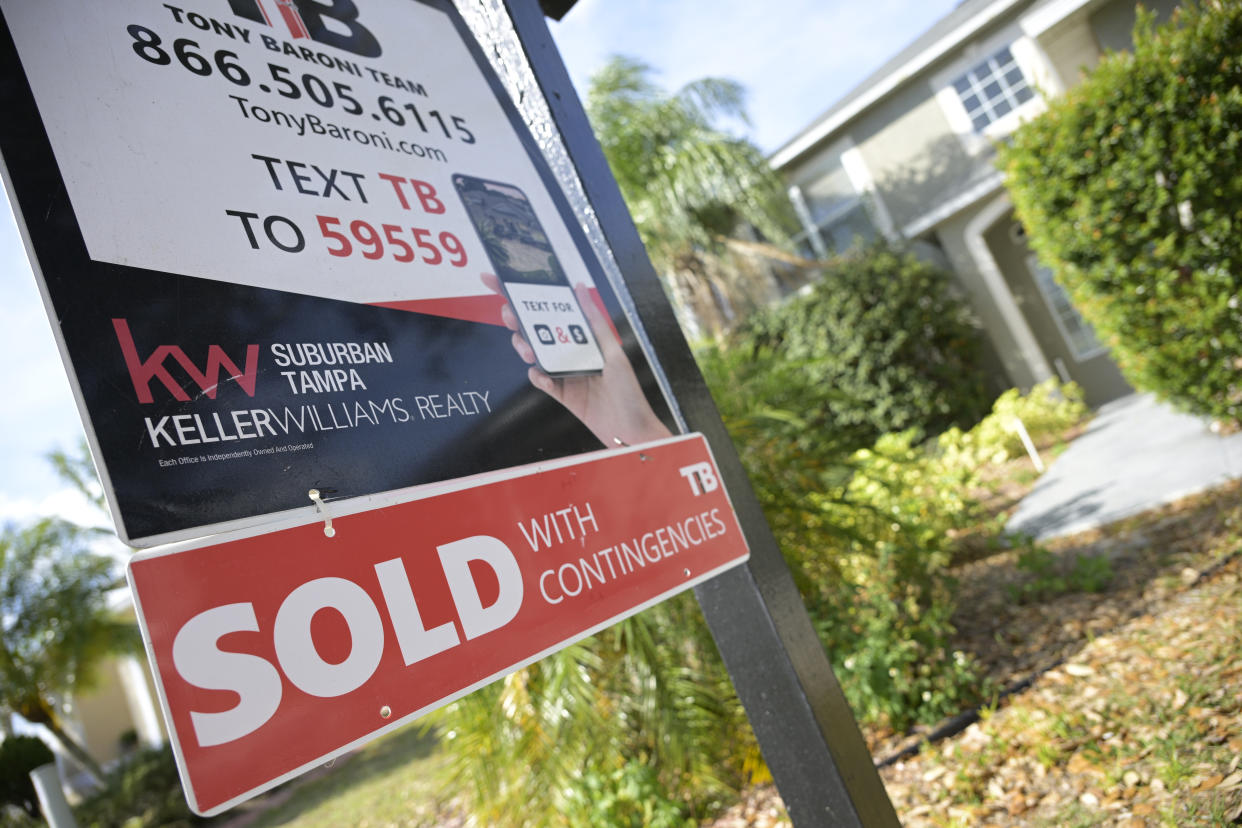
(702,478)
(308,18)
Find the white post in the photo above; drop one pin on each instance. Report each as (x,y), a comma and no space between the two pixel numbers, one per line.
(1019,427)
(52,796)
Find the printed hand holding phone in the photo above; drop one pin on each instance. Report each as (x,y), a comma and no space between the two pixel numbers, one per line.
(610,403)
(531,277)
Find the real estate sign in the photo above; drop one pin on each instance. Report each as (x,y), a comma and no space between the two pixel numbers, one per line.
(302,249)
(261,229)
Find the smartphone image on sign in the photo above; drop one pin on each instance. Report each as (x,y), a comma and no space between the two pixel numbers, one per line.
(532,277)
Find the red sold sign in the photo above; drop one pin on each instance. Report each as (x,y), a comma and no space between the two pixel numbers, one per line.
(276,652)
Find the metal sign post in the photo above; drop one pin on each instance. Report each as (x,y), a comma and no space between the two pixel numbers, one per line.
(805,728)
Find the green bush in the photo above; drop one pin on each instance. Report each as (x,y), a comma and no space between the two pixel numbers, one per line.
(19,755)
(1047,411)
(1130,187)
(867,534)
(629,797)
(870,534)
(887,618)
(144,792)
(642,709)
(884,340)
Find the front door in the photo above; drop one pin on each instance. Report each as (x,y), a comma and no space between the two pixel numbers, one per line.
(1066,338)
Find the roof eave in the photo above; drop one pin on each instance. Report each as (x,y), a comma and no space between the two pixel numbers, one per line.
(835,120)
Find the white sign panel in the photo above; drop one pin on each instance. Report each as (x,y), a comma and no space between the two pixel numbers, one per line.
(286,243)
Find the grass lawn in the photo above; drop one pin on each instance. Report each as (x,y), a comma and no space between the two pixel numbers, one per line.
(388,782)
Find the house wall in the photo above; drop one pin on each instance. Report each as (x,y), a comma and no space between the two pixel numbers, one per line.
(103,715)
(952,235)
(913,153)
(1072,49)
(1113,24)
(925,166)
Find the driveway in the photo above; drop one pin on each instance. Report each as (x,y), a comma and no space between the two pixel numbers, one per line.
(1137,454)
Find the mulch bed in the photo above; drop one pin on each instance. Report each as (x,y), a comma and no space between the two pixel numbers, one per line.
(1065,746)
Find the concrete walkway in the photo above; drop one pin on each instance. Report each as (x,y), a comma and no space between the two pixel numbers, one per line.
(1136,454)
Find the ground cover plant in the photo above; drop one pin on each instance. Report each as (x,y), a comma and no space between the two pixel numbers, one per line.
(1134,714)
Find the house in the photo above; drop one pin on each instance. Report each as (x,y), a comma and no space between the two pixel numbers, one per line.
(122,710)
(118,714)
(910,154)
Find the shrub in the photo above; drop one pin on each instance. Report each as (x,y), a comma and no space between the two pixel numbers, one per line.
(870,534)
(1130,187)
(629,797)
(886,343)
(144,791)
(641,715)
(1047,412)
(867,534)
(19,755)
(887,620)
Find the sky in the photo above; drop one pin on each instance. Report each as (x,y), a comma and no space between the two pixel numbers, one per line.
(794,57)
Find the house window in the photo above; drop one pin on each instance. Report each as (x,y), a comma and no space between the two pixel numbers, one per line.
(1077,331)
(838,232)
(992,89)
(830,205)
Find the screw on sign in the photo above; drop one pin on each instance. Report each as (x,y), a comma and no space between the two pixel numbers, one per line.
(278,651)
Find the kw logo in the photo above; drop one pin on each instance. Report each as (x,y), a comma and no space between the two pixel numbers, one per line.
(141,371)
(309,19)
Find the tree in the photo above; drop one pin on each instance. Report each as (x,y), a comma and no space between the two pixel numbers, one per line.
(1130,187)
(691,187)
(55,626)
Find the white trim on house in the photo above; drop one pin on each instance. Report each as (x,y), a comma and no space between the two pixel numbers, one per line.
(1041,19)
(859,174)
(953,206)
(841,157)
(1028,348)
(808,224)
(138,698)
(876,93)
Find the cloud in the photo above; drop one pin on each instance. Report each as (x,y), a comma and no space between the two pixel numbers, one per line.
(65,503)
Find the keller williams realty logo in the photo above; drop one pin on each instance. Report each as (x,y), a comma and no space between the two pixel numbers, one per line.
(142,371)
(310,19)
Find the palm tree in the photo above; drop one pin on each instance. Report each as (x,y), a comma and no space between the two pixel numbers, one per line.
(693,189)
(56,629)
(646,703)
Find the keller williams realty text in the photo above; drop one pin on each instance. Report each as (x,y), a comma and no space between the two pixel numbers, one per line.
(310,368)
